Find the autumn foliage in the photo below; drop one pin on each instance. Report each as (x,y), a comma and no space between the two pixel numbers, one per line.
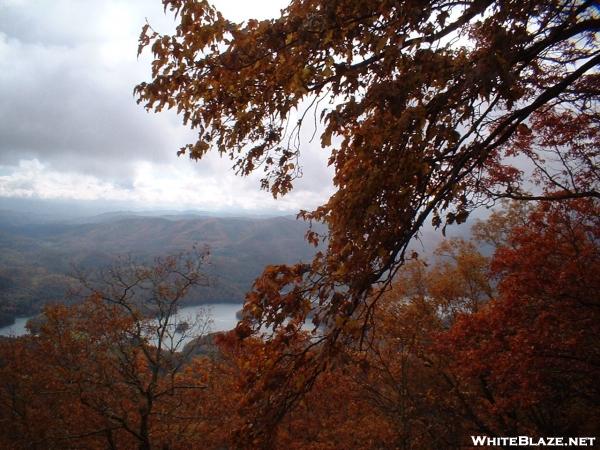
(534,349)
(464,344)
(428,110)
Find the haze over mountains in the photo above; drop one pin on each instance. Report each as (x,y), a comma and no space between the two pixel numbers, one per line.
(42,242)
(38,252)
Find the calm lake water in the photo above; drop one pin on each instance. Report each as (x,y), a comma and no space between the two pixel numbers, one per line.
(222,315)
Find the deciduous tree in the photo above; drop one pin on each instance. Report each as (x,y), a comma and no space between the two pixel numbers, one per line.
(114,371)
(423,105)
(528,361)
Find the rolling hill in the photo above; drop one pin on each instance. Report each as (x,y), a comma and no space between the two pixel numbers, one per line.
(37,259)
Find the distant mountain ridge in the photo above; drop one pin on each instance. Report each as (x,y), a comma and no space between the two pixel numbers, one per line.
(36,259)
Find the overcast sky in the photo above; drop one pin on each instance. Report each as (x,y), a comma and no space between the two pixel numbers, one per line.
(70,127)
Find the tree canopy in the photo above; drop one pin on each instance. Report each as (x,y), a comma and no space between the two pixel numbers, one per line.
(429,109)
(464,344)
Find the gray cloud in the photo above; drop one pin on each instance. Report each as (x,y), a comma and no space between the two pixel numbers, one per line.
(67,71)
(60,105)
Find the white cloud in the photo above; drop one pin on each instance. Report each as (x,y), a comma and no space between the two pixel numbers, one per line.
(165,185)
(71,129)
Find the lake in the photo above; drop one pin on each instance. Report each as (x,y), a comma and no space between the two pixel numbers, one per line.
(223,317)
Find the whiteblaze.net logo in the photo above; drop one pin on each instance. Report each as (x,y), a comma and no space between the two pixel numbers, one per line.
(528,441)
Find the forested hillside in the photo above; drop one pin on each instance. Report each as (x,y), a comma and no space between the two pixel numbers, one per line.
(431,114)
(38,260)
(462,344)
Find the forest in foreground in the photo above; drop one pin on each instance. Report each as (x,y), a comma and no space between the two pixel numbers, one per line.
(460,345)
(428,111)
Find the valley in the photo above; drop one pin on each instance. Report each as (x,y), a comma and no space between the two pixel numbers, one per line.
(38,259)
